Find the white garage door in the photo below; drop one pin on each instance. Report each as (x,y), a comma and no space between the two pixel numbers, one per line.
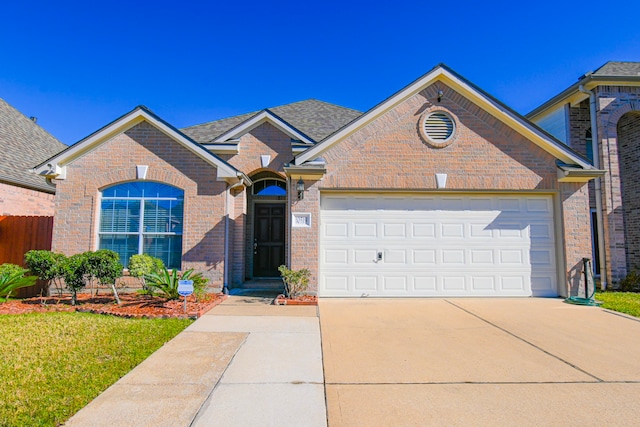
(436,245)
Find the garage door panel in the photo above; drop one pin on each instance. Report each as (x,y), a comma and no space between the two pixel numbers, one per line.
(424,256)
(482,256)
(394,230)
(423,230)
(394,283)
(475,246)
(365,230)
(454,230)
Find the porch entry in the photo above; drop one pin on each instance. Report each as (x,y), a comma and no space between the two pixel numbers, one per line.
(269,236)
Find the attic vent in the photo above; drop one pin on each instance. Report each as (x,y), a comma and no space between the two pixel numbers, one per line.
(437,128)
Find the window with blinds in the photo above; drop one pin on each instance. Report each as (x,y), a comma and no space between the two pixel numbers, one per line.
(142,217)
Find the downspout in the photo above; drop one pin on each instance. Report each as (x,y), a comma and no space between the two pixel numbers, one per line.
(598,186)
(227,222)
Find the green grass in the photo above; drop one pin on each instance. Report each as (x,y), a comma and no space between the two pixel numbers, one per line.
(624,302)
(53,364)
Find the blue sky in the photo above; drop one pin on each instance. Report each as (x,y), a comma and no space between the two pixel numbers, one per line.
(79,65)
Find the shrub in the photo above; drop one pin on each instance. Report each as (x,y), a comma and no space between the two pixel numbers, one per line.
(199,285)
(631,283)
(142,265)
(104,266)
(47,266)
(165,282)
(75,270)
(13,277)
(295,281)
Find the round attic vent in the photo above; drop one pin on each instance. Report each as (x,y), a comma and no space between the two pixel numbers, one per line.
(438,128)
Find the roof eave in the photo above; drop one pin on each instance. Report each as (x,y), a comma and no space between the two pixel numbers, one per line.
(55,167)
(468,90)
(258,119)
(573,96)
(569,173)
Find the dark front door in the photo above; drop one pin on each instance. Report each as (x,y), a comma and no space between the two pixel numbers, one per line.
(268,243)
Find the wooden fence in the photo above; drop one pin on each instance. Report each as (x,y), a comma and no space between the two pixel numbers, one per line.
(20,234)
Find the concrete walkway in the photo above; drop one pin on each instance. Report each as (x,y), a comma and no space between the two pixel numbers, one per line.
(478,362)
(245,363)
(387,362)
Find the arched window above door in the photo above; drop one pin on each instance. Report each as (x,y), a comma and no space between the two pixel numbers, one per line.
(269,187)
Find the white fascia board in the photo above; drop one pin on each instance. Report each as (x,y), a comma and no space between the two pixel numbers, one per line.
(440,74)
(573,96)
(256,121)
(58,163)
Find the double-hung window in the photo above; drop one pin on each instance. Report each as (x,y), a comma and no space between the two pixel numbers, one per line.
(142,217)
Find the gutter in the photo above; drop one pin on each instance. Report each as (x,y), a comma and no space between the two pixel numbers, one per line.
(598,185)
(49,188)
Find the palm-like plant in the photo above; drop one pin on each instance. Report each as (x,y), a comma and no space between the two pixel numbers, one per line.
(164,282)
(12,277)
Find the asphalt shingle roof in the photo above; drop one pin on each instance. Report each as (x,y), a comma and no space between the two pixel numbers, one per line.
(619,69)
(23,144)
(316,119)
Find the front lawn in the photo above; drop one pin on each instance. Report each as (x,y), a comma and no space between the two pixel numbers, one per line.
(624,302)
(53,364)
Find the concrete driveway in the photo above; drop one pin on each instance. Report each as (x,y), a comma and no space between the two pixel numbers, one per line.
(530,361)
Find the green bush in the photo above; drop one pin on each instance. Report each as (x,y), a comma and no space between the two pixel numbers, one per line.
(104,265)
(164,282)
(12,277)
(142,265)
(295,281)
(631,283)
(75,269)
(199,285)
(47,266)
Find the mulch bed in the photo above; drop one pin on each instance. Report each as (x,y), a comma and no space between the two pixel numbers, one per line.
(299,300)
(133,305)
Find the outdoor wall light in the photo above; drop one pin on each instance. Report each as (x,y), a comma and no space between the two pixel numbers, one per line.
(300,188)
(440,95)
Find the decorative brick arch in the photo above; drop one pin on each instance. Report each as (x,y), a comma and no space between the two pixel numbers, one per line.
(129,174)
(614,118)
(271,171)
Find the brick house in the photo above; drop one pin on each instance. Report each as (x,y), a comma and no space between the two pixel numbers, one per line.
(439,190)
(607,100)
(23,144)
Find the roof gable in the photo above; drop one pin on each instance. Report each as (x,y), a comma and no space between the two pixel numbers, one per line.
(258,119)
(314,118)
(467,89)
(23,144)
(55,167)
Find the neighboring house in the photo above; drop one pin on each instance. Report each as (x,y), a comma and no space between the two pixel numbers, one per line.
(439,190)
(607,100)
(23,143)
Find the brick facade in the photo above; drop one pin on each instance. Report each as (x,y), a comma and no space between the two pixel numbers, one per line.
(113,162)
(389,154)
(268,140)
(24,201)
(618,139)
(385,154)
